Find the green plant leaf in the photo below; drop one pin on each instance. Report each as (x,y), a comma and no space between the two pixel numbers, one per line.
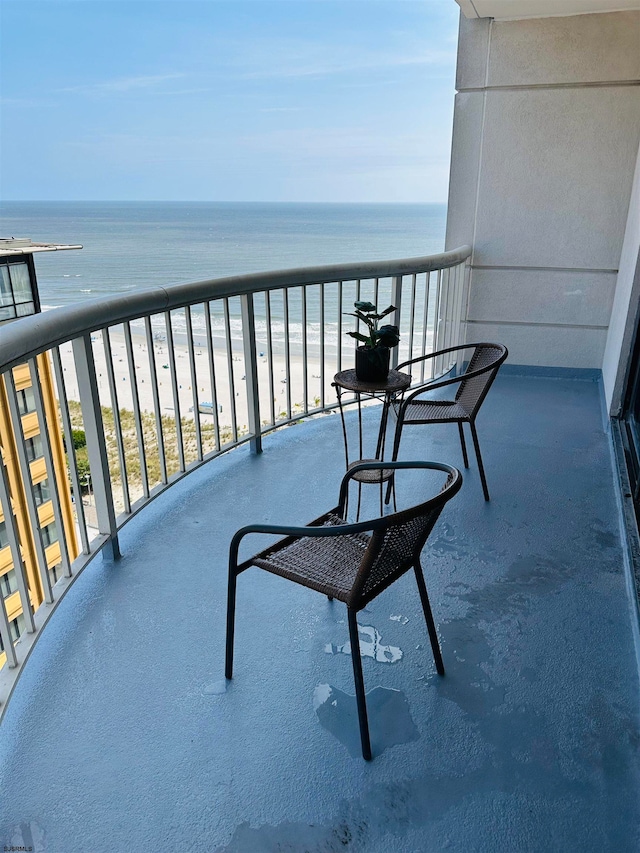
(364,306)
(359,337)
(388,336)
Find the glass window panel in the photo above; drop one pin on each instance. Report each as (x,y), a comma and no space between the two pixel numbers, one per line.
(34,448)
(21,282)
(16,626)
(6,294)
(26,401)
(4,539)
(8,583)
(7,313)
(41,492)
(25,309)
(49,534)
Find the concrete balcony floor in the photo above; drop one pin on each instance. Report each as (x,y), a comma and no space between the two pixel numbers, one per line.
(122,734)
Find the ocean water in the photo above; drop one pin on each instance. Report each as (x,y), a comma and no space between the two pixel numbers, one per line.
(133,245)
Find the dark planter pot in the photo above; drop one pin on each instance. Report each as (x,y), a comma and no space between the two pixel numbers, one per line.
(372,365)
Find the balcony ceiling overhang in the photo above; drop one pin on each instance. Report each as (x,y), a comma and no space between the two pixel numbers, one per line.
(514,9)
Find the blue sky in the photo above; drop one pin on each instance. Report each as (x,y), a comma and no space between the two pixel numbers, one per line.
(227,101)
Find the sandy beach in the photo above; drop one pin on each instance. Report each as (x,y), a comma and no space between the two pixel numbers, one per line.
(194,378)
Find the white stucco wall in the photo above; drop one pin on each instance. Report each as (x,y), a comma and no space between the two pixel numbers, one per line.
(546,136)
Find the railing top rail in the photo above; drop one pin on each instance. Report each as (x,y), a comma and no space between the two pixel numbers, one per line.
(39,332)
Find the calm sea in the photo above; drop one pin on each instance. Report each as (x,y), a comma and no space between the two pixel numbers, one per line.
(133,245)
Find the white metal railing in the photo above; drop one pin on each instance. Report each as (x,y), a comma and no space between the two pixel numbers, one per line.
(164,379)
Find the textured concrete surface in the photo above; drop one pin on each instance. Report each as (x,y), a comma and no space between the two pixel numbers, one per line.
(123,734)
(545,143)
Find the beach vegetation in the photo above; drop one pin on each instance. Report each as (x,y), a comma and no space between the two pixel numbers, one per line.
(131,447)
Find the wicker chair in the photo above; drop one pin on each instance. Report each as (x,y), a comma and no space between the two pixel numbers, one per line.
(474,384)
(351,562)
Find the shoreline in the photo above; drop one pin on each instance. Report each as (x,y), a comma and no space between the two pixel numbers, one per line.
(229,377)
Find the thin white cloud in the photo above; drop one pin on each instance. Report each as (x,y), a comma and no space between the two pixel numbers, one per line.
(122,84)
(322,143)
(323,66)
(279,109)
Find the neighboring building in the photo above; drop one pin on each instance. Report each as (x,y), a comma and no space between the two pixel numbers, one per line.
(19,298)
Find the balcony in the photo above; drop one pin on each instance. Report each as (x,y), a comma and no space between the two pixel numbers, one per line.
(123,735)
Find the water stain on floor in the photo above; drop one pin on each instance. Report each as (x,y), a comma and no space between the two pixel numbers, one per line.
(370,646)
(390,721)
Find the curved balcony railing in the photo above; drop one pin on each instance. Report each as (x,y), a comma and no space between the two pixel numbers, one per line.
(137,390)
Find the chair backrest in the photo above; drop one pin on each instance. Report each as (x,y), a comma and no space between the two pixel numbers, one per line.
(398,539)
(471,392)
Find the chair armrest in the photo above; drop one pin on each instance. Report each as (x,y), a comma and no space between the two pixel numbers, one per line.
(458,348)
(441,383)
(386,466)
(314,529)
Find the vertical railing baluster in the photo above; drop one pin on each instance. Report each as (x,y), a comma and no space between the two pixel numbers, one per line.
(194,381)
(453,284)
(451,307)
(117,424)
(287,349)
(27,484)
(444,314)
(396,299)
(135,399)
(67,430)
(251,371)
(465,299)
(96,446)
(272,391)
(436,325)
(232,381)
(7,639)
(457,313)
(412,314)
(212,373)
(305,353)
(173,375)
(14,546)
(153,375)
(463,302)
(340,309)
(454,302)
(425,322)
(322,353)
(457,303)
(36,387)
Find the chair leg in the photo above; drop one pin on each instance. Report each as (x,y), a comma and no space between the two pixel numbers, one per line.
(396,449)
(463,444)
(476,444)
(359,682)
(428,615)
(231,617)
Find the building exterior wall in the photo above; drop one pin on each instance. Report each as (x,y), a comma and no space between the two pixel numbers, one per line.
(545,142)
(32,428)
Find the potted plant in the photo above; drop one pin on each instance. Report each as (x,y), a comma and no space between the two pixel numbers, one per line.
(372,358)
